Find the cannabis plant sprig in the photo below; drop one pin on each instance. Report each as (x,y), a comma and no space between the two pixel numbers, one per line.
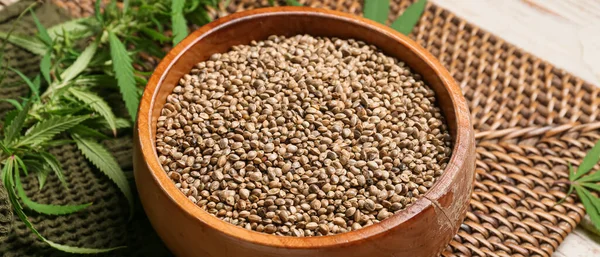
(66,104)
(583,181)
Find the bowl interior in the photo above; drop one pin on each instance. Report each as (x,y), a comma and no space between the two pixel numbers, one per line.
(220,36)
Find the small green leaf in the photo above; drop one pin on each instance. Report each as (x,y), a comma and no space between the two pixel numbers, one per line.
(45,130)
(272,2)
(81,63)
(16,125)
(571,171)
(37,83)
(20,164)
(82,25)
(41,177)
(98,12)
(30,44)
(12,195)
(14,102)
(48,209)
(10,116)
(123,68)
(7,176)
(377,10)
(591,178)
(97,104)
(45,65)
(178,23)
(43,33)
(407,21)
(5,149)
(592,186)
(105,162)
(54,165)
(35,90)
(292,3)
(87,132)
(591,204)
(591,159)
(39,169)
(155,35)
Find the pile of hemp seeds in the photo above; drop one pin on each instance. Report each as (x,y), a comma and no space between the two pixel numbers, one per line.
(302,136)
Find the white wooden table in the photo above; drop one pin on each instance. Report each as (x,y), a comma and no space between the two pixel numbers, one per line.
(564,32)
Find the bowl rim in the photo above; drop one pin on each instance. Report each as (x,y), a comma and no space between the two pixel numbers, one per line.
(462,139)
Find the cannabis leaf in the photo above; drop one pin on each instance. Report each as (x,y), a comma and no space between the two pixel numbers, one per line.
(80,64)
(377,10)
(588,162)
(9,170)
(45,130)
(14,102)
(123,68)
(407,21)
(54,165)
(45,65)
(49,209)
(105,162)
(39,169)
(180,29)
(35,88)
(43,34)
(581,183)
(30,44)
(81,25)
(15,125)
(97,104)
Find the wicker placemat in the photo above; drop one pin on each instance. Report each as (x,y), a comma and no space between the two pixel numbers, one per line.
(531,119)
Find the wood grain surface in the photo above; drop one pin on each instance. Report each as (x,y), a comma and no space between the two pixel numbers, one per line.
(563,32)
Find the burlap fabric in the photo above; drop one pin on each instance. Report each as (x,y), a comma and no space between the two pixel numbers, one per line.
(530,117)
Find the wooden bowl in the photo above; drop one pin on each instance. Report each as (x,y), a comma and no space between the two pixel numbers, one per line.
(422,229)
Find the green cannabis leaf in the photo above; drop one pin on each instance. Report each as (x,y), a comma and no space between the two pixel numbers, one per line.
(122,66)
(101,158)
(180,29)
(378,10)
(43,34)
(49,209)
(44,130)
(582,184)
(29,44)
(10,177)
(407,21)
(80,63)
(96,103)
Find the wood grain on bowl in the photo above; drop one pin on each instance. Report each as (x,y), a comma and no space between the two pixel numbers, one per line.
(422,229)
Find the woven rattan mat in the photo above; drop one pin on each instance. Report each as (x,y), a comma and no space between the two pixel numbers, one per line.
(531,119)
